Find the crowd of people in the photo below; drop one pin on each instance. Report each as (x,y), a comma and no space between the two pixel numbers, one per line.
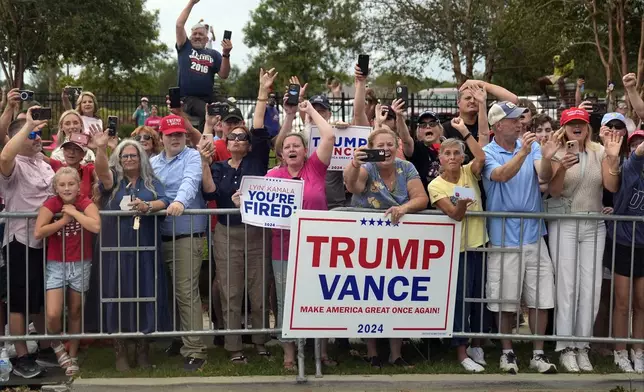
(513,159)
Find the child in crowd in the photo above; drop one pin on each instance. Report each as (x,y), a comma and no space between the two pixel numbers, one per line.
(72,233)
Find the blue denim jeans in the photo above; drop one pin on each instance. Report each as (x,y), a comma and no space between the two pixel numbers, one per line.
(471,284)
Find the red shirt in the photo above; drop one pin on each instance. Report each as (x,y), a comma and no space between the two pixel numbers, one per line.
(72,232)
(153,122)
(86,173)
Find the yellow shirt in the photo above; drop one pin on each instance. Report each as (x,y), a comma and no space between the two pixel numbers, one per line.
(473,231)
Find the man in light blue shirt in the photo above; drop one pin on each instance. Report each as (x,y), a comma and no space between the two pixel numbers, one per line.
(179,169)
(511,175)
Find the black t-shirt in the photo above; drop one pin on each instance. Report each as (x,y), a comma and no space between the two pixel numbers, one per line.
(450,132)
(425,160)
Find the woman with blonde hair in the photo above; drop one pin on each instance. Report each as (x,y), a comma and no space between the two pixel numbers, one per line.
(393,186)
(149,139)
(70,122)
(87,106)
(582,169)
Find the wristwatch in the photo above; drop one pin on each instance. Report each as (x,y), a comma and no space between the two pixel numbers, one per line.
(226,55)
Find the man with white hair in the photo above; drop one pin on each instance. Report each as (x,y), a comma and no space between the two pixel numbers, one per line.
(198,64)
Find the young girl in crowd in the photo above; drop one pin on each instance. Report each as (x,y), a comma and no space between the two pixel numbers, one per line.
(71,232)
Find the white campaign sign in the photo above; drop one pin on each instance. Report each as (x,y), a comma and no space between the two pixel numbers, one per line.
(346,140)
(270,202)
(356,274)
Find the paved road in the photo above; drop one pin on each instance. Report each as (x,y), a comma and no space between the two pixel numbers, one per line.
(402,383)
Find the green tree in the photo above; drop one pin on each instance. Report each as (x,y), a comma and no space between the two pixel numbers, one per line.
(312,39)
(117,34)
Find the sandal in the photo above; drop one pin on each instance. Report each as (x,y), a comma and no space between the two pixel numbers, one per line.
(239,359)
(290,366)
(266,354)
(328,362)
(399,362)
(64,360)
(73,368)
(374,361)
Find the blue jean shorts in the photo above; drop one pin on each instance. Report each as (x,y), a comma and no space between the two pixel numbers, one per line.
(74,274)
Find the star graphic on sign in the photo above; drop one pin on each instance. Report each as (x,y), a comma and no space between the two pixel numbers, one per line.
(396,224)
(372,222)
(380,222)
(363,221)
(387,222)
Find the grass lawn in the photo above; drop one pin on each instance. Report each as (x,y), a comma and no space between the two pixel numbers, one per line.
(99,362)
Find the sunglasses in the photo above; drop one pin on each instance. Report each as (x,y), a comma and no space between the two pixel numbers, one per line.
(33,135)
(618,126)
(146,138)
(241,137)
(430,124)
(125,157)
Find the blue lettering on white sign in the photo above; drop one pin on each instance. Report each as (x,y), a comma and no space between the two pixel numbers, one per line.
(350,288)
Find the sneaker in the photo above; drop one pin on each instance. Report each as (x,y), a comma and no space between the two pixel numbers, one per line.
(508,363)
(192,364)
(622,362)
(583,362)
(477,355)
(541,363)
(174,349)
(638,360)
(46,358)
(472,366)
(568,360)
(27,368)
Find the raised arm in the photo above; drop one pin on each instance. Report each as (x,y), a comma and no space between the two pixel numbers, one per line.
(610,163)
(505,173)
(181,23)
(578,98)
(545,166)
(480,95)
(356,176)
(472,144)
(499,92)
(67,105)
(14,145)
(101,165)
(224,70)
(327,135)
(290,112)
(398,106)
(266,79)
(359,114)
(207,183)
(13,102)
(630,84)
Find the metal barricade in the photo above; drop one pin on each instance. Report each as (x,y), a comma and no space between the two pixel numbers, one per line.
(155,257)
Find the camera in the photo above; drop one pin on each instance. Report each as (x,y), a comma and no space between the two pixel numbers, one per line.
(41,114)
(26,95)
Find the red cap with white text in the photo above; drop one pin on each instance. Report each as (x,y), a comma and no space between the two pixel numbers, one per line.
(172,124)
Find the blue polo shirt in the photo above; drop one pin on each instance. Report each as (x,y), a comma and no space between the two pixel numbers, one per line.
(519,194)
(181,176)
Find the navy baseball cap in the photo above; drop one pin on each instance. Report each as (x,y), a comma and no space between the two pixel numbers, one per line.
(502,110)
(322,100)
(233,113)
(427,114)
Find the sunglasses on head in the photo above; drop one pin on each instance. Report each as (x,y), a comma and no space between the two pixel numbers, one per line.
(138,138)
(242,137)
(33,135)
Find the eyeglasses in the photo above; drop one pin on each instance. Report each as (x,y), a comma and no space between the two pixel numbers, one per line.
(33,135)
(430,124)
(125,157)
(146,138)
(242,137)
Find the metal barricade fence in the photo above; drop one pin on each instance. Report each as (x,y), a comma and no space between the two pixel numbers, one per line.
(118,305)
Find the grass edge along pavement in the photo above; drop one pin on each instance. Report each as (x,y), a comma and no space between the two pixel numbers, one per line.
(99,362)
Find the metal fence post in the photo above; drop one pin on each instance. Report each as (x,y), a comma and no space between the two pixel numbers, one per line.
(342,109)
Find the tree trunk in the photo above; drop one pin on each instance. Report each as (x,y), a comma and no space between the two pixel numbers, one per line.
(52,78)
(640,60)
(19,71)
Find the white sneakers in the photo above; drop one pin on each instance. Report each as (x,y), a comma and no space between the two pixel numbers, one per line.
(622,362)
(477,355)
(568,360)
(472,366)
(638,360)
(508,363)
(583,361)
(540,363)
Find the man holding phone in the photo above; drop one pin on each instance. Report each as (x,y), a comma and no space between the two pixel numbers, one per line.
(198,64)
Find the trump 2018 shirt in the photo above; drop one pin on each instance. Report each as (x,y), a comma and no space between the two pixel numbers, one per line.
(197,69)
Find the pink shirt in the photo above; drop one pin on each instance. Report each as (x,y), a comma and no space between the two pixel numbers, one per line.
(153,122)
(25,190)
(313,173)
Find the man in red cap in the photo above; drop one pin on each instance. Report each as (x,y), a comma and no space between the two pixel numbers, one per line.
(179,169)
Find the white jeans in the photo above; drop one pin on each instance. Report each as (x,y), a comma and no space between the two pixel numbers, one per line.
(579,271)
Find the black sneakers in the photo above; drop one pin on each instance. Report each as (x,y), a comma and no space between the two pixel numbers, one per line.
(26,367)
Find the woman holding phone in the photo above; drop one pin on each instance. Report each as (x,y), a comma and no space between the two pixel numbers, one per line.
(582,168)
(379,180)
